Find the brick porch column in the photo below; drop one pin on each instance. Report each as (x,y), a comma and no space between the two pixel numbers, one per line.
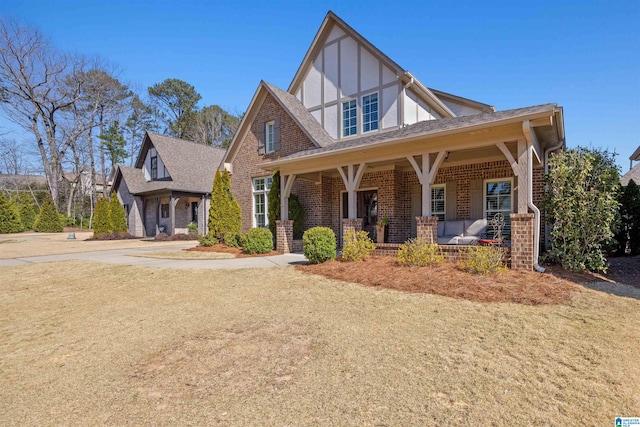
(284,236)
(427,228)
(522,241)
(351,224)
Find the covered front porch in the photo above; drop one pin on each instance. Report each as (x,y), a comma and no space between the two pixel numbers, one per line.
(432,188)
(171,212)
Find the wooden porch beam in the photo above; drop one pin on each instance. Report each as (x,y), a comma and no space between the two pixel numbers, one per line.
(532,139)
(436,165)
(352,178)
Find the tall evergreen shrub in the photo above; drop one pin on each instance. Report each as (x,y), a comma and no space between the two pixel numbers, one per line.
(9,218)
(117,218)
(101,222)
(629,222)
(224,213)
(296,212)
(48,220)
(27,210)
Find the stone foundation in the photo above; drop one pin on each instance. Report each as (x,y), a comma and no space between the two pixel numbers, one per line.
(284,236)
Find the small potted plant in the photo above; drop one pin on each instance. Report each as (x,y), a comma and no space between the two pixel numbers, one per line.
(381,228)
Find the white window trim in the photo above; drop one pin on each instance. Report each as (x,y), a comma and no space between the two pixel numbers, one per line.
(444,187)
(342,127)
(377,112)
(269,137)
(255,192)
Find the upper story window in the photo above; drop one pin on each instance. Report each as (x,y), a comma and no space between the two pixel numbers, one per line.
(349,118)
(269,135)
(370,112)
(154,167)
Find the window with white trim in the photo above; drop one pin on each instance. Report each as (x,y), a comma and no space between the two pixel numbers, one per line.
(498,198)
(438,205)
(261,187)
(349,118)
(370,112)
(269,136)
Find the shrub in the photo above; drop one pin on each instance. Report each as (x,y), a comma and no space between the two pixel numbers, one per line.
(484,260)
(101,224)
(9,217)
(27,211)
(581,205)
(207,240)
(48,220)
(115,236)
(319,244)
(419,253)
(296,212)
(628,233)
(235,240)
(224,214)
(192,227)
(258,241)
(117,216)
(357,246)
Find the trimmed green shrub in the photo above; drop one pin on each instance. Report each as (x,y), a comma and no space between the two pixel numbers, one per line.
(419,253)
(258,241)
(192,227)
(484,260)
(581,206)
(628,233)
(319,244)
(48,220)
(27,211)
(224,213)
(357,246)
(117,216)
(235,240)
(296,212)
(207,240)
(101,223)
(9,217)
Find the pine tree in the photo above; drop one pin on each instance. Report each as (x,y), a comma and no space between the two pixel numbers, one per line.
(27,211)
(224,214)
(9,218)
(48,220)
(101,223)
(296,212)
(117,217)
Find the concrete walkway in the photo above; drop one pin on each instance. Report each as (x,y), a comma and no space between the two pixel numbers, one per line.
(123,256)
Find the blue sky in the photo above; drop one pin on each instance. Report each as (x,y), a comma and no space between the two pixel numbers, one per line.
(583,55)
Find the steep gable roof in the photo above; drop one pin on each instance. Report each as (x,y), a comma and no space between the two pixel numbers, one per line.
(191,166)
(330,21)
(633,174)
(292,106)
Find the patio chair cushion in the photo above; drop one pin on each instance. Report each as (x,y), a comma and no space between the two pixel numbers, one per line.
(475,228)
(440,228)
(453,228)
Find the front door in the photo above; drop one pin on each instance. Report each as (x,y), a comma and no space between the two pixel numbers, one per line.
(194,212)
(367,202)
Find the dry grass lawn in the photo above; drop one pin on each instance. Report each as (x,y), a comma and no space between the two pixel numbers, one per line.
(121,345)
(182,254)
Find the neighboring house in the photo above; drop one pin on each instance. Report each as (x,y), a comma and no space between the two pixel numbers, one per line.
(169,187)
(634,171)
(82,181)
(357,137)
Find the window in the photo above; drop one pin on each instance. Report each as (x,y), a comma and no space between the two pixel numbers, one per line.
(438,201)
(349,118)
(154,167)
(498,198)
(164,210)
(261,187)
(370,112)
(269,135)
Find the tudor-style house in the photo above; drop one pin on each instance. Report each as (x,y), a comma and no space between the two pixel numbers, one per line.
(169,187)
(357,138)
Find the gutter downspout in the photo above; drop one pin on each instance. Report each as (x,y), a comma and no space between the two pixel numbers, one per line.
(526,127)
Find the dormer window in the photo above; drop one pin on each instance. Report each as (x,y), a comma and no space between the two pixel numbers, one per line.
(154,168)
(349,118)
(370,112)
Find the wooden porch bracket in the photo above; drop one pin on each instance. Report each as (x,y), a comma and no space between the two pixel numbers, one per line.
(426,176)
(286,185)
(352,177)
(530,135)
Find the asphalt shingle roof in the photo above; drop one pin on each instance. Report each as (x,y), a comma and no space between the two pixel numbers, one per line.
(633,174)
(428,127)
(192,166)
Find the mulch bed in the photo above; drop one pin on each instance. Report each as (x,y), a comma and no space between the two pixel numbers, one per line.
(522,287)
(229,250)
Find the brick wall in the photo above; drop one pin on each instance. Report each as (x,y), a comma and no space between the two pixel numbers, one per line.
(247,159)
(522,241)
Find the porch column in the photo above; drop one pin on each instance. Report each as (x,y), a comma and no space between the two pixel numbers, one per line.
(286,185)
(519,168)
(173,201)
(522,242)
(427,228)
(426,175)
(350,225)
(284,236)
(352,176)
